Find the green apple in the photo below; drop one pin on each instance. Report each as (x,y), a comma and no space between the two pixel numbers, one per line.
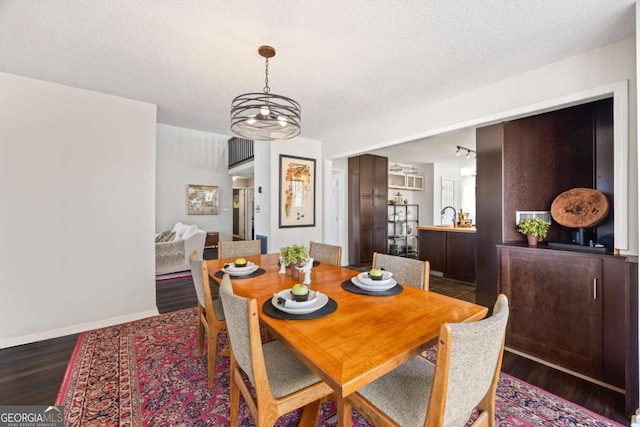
(299,289)
(374,272)
(240,262)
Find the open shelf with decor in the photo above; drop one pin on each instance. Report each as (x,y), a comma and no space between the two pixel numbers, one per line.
(403,230)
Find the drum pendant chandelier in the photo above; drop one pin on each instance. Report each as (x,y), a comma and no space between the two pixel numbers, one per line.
(265,116)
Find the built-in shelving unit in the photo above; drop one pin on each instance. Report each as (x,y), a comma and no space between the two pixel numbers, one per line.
(403,230)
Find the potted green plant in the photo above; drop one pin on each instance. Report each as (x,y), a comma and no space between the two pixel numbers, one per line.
(534,228)
(293,256)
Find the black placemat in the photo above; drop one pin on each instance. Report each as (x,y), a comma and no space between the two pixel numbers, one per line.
(328,308)
(348,285)
(258,272)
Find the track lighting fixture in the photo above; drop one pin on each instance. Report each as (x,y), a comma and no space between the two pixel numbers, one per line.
(468,150)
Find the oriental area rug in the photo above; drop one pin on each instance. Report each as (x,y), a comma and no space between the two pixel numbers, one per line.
(148,373)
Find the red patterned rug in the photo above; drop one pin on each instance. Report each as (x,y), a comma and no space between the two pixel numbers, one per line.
(147,373)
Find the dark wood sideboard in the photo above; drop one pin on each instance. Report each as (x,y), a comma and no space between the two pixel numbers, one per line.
(569,308)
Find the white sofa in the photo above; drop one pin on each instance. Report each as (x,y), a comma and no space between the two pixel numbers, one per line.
(174,255)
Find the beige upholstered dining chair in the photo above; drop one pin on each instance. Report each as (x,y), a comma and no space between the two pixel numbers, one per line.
(465,376)
(210,313)
(408,271)
(282,382)
(238,248)
(323,252)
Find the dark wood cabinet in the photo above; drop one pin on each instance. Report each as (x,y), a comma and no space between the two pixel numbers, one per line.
(522,165)
(432,247)
(450,252)
(567,308)
(367,199)
(461,260)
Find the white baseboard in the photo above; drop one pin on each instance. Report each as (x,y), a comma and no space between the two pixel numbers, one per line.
(55,333)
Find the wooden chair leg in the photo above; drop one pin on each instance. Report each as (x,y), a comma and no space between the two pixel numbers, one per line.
(211,356)
(482,420)
(487,407)
(200,337)
(234,400)
(225,351)
(310,414)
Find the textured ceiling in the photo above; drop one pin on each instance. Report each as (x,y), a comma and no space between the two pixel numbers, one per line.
(344,61)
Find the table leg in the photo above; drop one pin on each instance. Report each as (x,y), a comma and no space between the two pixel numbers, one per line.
(344,412)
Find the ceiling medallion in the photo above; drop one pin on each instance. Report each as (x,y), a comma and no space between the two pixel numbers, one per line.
(265,116)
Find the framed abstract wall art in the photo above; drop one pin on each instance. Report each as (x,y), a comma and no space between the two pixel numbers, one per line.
(202,200)
(297,191)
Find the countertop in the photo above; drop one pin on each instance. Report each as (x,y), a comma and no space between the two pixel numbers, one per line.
(448,227)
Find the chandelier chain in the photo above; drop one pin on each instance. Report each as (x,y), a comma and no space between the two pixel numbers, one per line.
(266,76)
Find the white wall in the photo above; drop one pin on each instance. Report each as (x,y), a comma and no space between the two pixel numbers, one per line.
(424,198)
(263,189)
(507,99)
(186,156)
(77,184)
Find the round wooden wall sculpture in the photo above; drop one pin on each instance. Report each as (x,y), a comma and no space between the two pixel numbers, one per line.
(580,207)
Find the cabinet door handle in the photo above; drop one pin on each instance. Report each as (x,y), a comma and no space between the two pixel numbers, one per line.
(595,283)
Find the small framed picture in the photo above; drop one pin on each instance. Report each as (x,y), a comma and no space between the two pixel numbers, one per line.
(202,200)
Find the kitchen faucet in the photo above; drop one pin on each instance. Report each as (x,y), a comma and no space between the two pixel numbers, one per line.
(455,216)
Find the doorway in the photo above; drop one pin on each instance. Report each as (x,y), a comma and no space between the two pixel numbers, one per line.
(239,214)
(243,220)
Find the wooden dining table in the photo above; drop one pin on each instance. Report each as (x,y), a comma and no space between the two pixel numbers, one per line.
(366,337)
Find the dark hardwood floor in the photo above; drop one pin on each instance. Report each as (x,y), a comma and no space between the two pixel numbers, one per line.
(31,374)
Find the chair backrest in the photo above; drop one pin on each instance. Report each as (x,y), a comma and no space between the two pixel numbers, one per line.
(468,366)
(408,271)
(196,274)
(323,252)
(243,328)
(238,248)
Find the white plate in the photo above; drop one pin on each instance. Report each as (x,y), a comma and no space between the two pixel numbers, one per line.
(365,279)
(377,288)
(233,269)
(291,303)
(318,303)
(236,273)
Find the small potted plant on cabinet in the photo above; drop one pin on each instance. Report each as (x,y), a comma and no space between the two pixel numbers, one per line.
(534,228)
